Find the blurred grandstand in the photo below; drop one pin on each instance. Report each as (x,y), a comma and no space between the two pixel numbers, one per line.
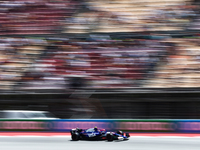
(56,45)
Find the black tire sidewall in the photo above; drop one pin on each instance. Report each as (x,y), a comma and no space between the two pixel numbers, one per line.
(109,137)
(74,137)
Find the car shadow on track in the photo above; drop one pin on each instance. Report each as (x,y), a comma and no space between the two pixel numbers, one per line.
(100,140)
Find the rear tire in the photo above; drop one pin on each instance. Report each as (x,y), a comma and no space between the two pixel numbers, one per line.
(75,137)
(109,137)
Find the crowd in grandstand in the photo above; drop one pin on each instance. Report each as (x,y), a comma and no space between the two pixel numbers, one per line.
(32,60)
(132,16)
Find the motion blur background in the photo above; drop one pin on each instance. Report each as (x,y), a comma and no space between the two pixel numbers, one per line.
(96,59)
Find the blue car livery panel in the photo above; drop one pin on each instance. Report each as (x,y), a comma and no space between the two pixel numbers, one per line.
(97,134)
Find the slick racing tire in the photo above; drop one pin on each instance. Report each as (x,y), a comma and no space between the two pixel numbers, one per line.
(127,135)
(109,137)
(75,137)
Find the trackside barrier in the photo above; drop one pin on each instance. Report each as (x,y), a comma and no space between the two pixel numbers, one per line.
(64,125)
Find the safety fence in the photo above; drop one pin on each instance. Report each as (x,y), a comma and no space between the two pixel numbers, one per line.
(64,125)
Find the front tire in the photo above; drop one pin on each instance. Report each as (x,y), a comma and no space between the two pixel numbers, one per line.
(127,135)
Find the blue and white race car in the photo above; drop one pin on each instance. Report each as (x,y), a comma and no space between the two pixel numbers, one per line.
(97,134)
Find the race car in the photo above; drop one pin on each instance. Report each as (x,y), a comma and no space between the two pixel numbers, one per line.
(97,134)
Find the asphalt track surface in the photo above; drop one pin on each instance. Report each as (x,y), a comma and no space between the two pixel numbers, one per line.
(61,142)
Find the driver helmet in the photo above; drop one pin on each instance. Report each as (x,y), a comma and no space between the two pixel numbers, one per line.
(95,129)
